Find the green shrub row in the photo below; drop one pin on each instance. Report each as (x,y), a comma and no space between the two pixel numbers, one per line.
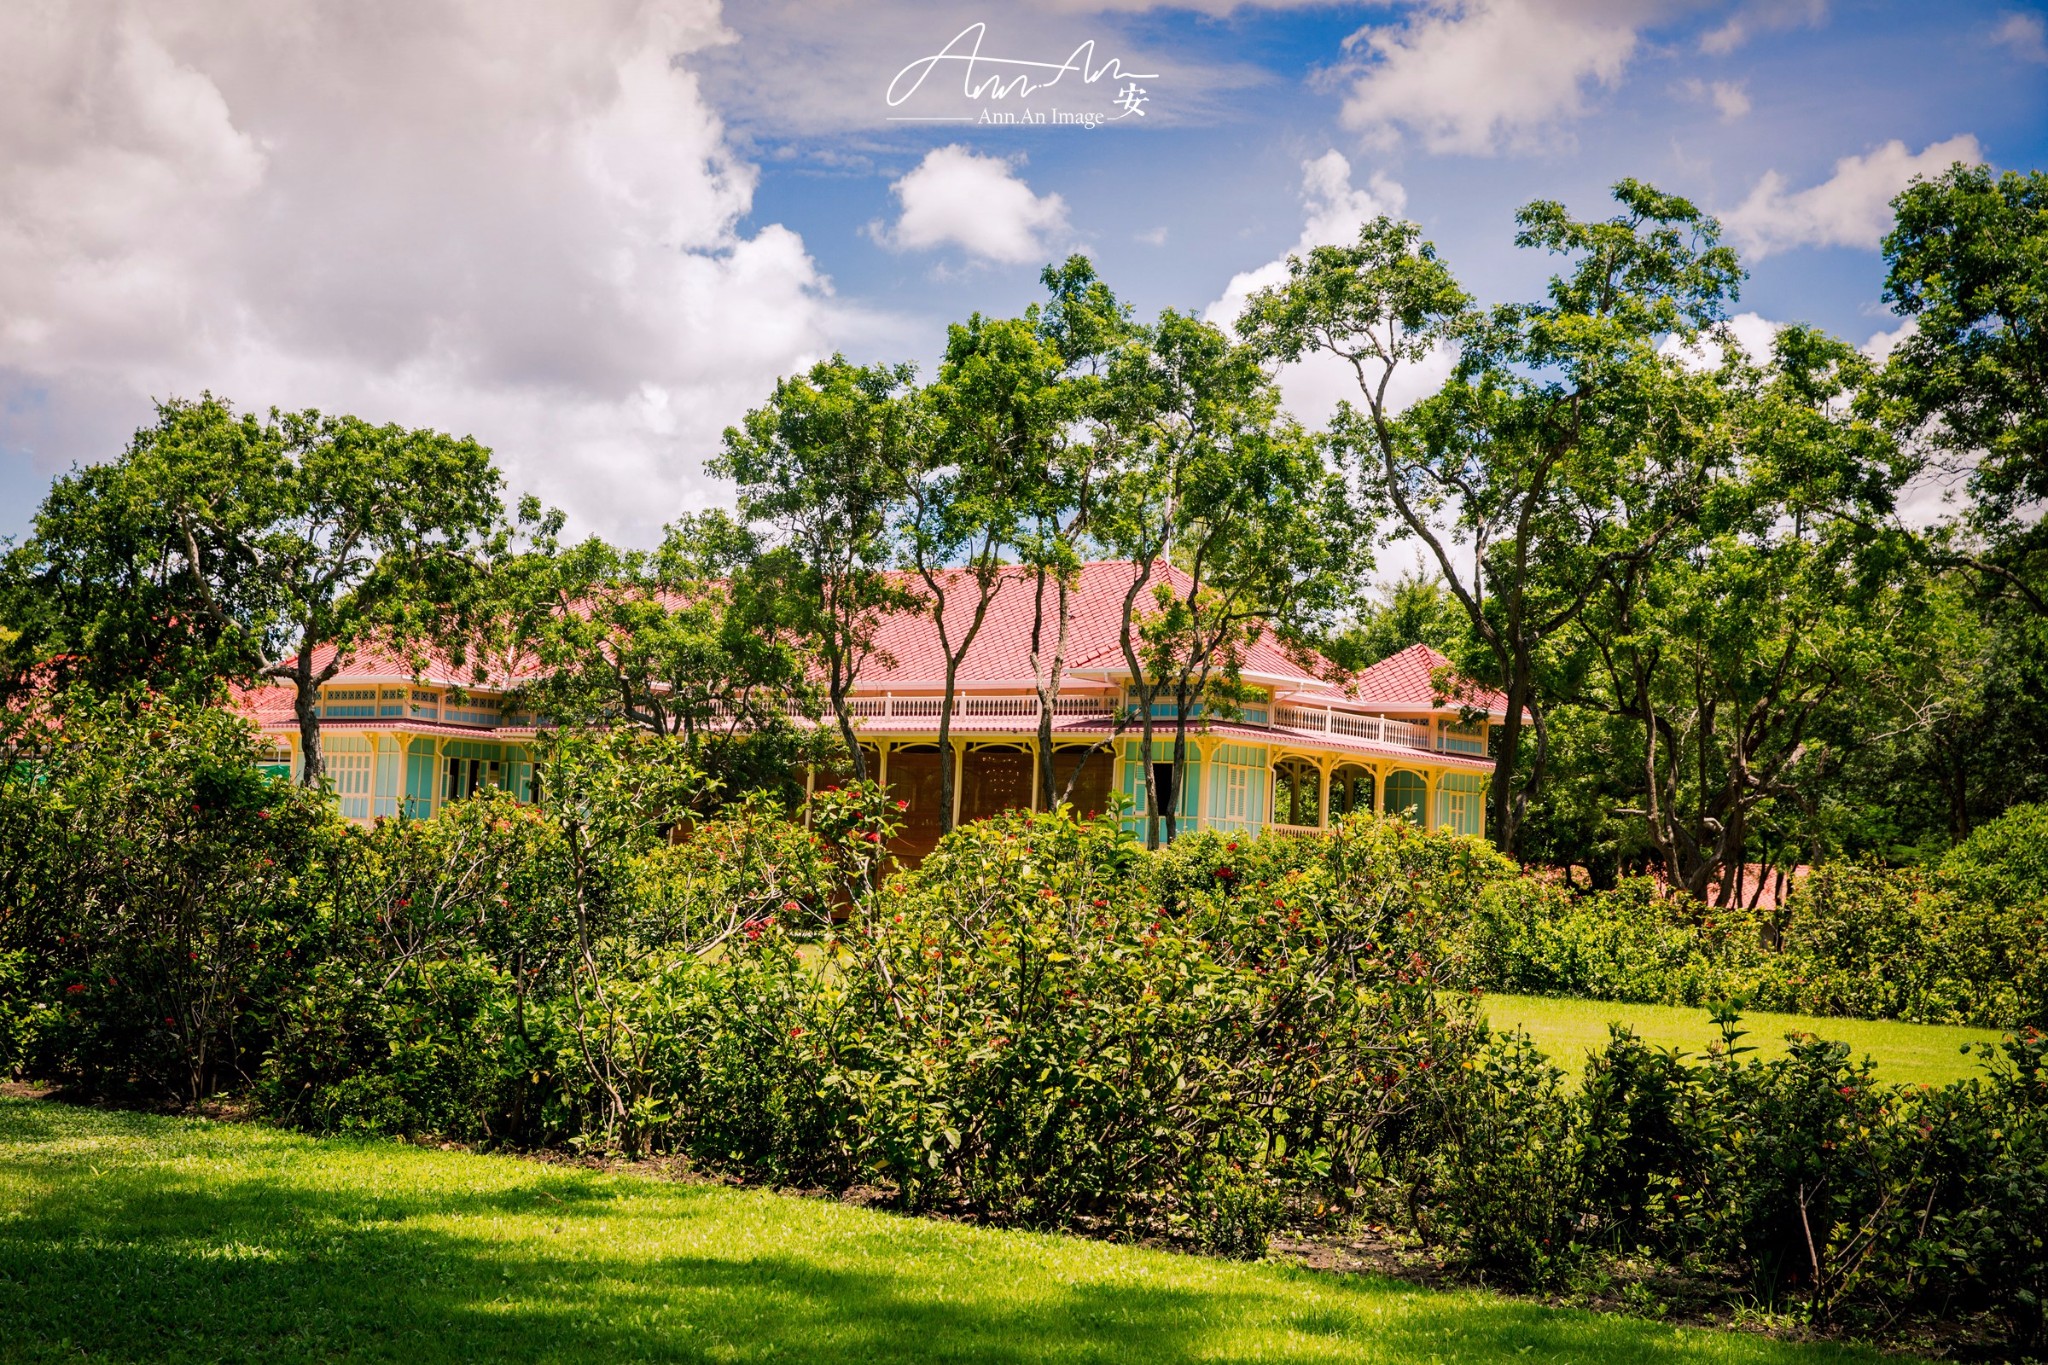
(1960,943)
(1042,1024)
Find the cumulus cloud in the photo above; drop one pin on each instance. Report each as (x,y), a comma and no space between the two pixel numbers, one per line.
(1334,210)
(1480,76)
(1729,98)
(2025,34)
(957,197)
(1761,16)
(522,223)
(1882,343)
(1850,208)
(1753,333)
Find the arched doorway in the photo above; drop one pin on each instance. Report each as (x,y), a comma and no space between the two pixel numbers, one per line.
(1297,792)
(1350,790)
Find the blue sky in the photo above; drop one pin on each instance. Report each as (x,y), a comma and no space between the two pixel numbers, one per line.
(593,234)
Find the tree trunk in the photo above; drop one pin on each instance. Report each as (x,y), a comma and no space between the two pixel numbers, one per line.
(1500,795)
(946,751)
(1180,766)
(1046,681)
(844,715)
(306,708)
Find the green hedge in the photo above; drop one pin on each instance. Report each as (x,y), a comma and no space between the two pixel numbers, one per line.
(1043,1023)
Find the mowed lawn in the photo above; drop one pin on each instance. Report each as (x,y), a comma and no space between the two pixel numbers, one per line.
(1568,1029)
(127,1237)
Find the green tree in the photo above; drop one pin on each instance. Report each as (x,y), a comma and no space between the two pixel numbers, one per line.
(219,547)
(1065,440)
(1968,266)
(1414,609)
(1758,638)
(963,479)
(1215,482)
(1564,447)
(822,465)
(139,567)
(686,641)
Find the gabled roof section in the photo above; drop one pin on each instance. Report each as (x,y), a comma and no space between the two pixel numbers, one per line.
(1001,653)
(1406,682)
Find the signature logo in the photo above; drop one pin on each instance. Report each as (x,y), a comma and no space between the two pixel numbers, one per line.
(984,78)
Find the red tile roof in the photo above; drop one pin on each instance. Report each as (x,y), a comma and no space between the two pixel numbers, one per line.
(1407,681)
(1001,653)
(909,655)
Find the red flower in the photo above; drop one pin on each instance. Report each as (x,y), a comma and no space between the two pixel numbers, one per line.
(75,988)
(791,906)
(1233,848)
(1225,873)
(170,1022)
(902,805)
(796,1033)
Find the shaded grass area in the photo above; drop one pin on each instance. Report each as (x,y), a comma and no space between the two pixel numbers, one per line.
(1568,1028)
(130,1237)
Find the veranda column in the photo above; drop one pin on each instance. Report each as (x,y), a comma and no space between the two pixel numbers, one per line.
(882,764)
(1323,767)
(1430,781)
(1031,747)
(1203,749)
(959,774)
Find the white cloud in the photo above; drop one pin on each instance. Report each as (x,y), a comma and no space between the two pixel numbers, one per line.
(2025,34)
(978,203)
(1478,76)
(1753,333)
(1762,16)
(1151,236)
(525,226)
(1881,344)
(1729,98)
(1314,385)
(1850,208)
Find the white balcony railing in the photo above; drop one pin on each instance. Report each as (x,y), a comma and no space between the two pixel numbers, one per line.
(1024,707)
(1376,728)
(971,706)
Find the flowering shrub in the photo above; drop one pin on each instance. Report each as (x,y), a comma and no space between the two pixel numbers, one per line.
(163,889)
(1029,1030)
(1043,1023)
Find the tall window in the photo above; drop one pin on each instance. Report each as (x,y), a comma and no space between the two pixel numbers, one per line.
(1237,790)
(461,777)
(1407,796)
(349,770)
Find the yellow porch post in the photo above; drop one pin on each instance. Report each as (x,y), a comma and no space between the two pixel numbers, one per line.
(1323,767)
(959,776)
(882,765)
(1431,780)
(1039,763)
